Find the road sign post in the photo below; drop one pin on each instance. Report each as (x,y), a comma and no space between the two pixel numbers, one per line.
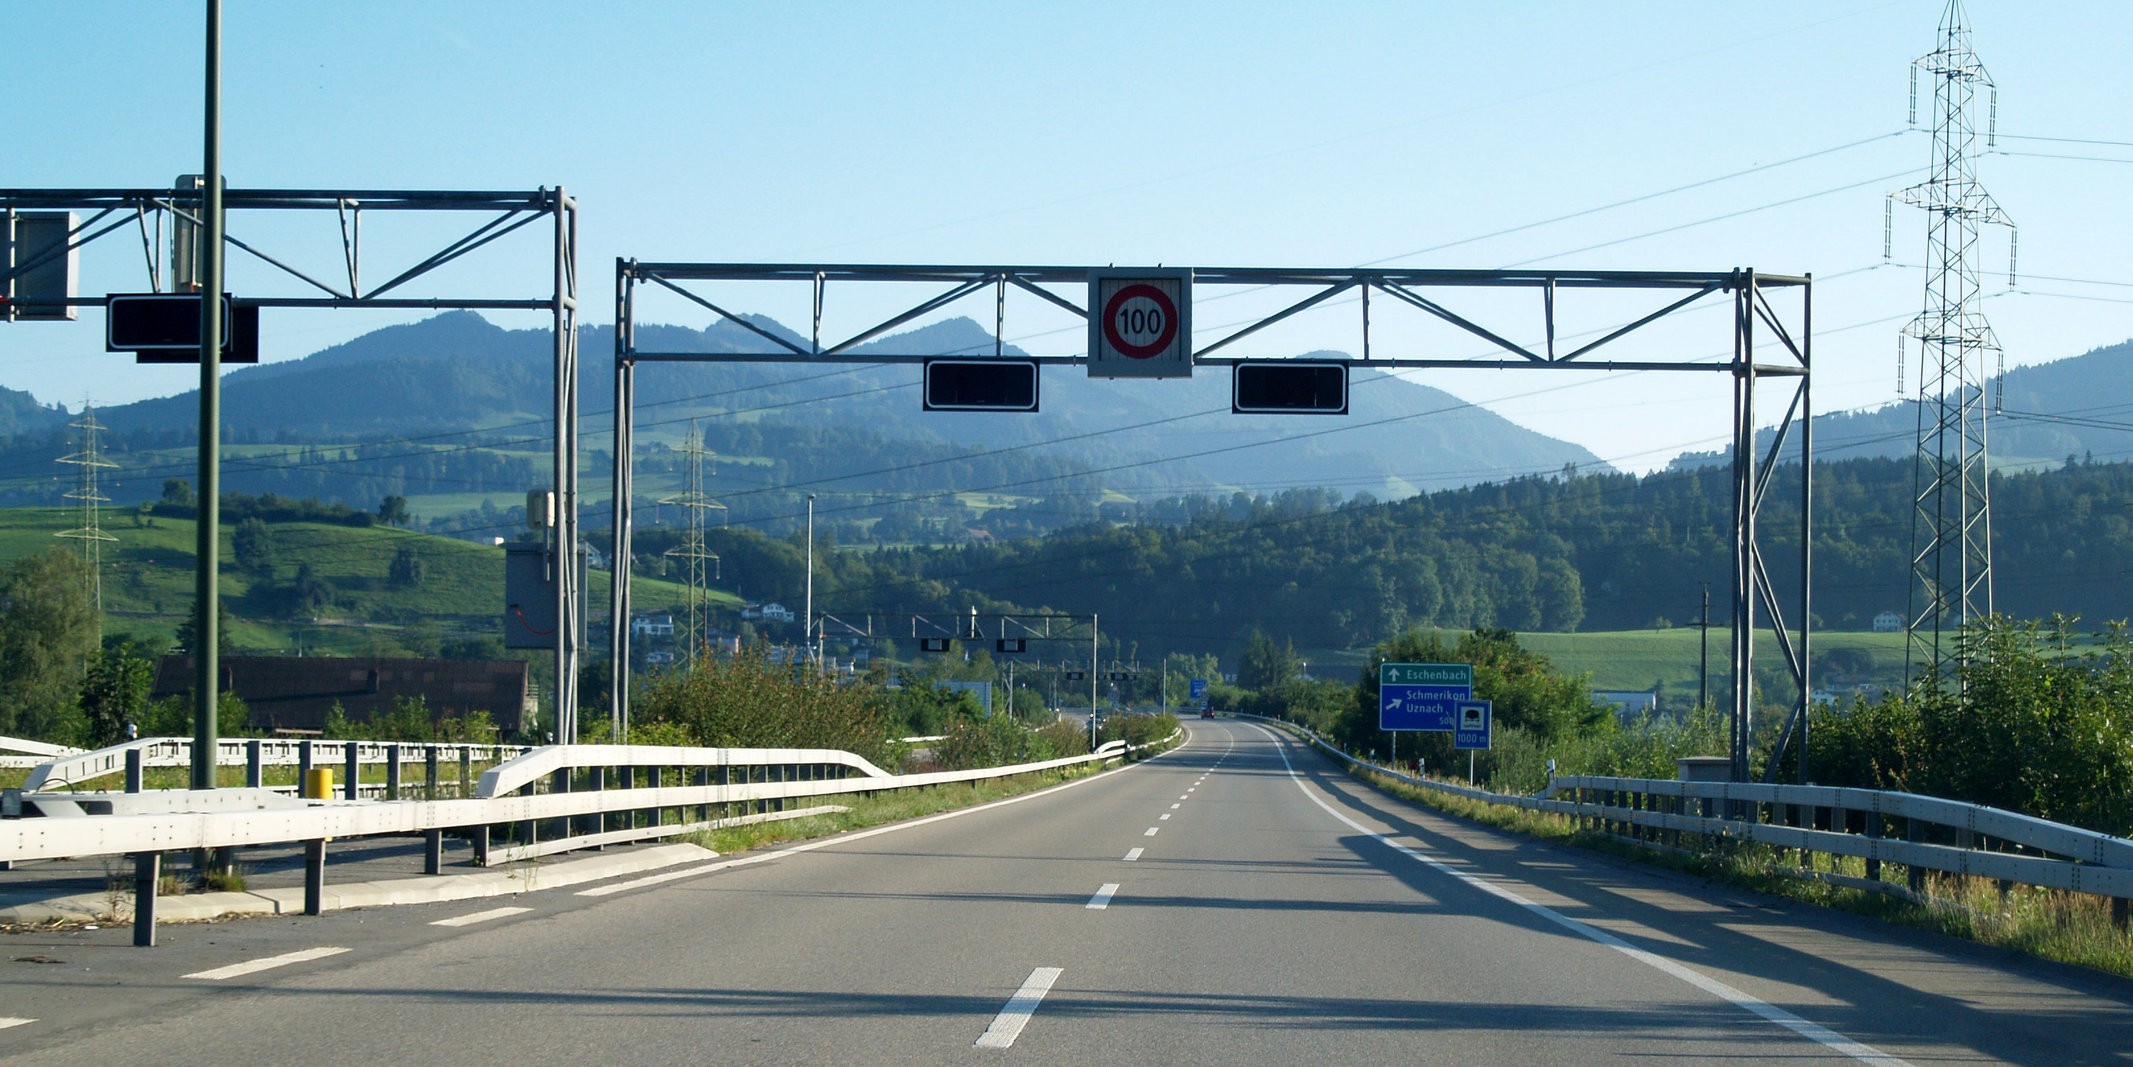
(1140,323)
(1422,696)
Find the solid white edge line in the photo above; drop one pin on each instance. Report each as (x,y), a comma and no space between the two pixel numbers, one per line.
(1134,854)
(1008,1025)
(1815,1032)
(6,1023)
(481,916)
(1102,899)
(856,835)
(238,970)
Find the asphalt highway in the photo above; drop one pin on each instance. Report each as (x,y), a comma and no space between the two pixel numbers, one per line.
(1234,901)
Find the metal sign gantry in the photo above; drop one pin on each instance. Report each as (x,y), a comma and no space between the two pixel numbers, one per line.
(1756,323)
(161,216)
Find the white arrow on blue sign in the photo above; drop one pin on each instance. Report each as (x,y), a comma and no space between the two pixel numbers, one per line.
(1423,696)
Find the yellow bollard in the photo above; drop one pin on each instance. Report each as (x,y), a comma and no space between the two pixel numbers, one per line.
(318,783)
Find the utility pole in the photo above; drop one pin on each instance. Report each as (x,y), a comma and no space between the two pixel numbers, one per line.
(1951,515)
(1703,675)
(207,543)
(813,651)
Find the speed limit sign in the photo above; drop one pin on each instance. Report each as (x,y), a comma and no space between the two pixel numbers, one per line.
(1140,323)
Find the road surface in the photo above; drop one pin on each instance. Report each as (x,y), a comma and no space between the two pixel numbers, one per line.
(1234,901)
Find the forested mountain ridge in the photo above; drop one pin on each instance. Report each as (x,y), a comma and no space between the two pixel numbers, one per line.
(1596,552)
(456,383)
(2040,416)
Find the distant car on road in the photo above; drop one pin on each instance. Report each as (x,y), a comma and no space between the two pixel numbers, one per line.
(1207,713)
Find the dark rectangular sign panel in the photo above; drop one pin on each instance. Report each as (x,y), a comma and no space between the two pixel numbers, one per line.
(1289,388)
(165,328)
(981,385)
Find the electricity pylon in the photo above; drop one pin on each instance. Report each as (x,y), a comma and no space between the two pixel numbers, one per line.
(90,533)
(1951,515)
(697,557)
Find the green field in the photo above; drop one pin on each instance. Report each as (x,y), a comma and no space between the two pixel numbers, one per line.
(1668,659)
(1641,659)
(148,583)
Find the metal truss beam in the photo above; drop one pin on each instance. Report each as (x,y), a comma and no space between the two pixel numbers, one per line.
(157,214)
(1757,600)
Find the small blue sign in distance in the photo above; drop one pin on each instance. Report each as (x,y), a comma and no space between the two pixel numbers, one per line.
(1474,727)
(1199,689)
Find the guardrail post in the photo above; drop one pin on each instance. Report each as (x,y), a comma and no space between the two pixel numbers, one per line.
(559,782)
(596,780)
(133,772)
(658,816)
(481,845)
(466,771)
(147,877)
(314,876)
(255,763)
(303,764)
(703,779)
(351,758)
(629,781)
(392,772)
(1913,830)
(2119,912)
(1873,830)
(429,770)
(433,851)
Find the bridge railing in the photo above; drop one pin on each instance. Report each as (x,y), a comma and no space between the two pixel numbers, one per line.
(543,800)
(18,753)
(74,770)
(546,799)
(1921,833)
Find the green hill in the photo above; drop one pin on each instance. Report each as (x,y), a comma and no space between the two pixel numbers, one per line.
(148,584)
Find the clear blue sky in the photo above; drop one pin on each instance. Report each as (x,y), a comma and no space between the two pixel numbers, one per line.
(1209,134)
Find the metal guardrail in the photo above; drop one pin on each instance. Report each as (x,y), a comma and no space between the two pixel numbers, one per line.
(545,800)
(18,752)
(75,768)
(575,789)
(1920,832)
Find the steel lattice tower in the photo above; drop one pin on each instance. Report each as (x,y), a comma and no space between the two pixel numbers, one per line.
(693,551)
(90,533)
(1951,519)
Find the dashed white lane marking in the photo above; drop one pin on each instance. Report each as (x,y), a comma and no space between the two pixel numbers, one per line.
(1134,854)
(481,916)
(1102,899)
(1008,1025)
(664,877)
(238,970)
(1164,817)
(5,1023)
(1151,831)
(1814,1032)
(1175,807)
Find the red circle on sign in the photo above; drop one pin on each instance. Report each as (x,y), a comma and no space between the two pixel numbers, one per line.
(1163,304)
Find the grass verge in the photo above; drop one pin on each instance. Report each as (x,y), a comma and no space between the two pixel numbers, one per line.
(2072,928)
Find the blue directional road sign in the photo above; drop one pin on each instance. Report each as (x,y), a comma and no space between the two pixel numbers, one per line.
(1422,696)
(1474,727)
(1199,689)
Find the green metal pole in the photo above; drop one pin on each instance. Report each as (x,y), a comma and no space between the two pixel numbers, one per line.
(207,551)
